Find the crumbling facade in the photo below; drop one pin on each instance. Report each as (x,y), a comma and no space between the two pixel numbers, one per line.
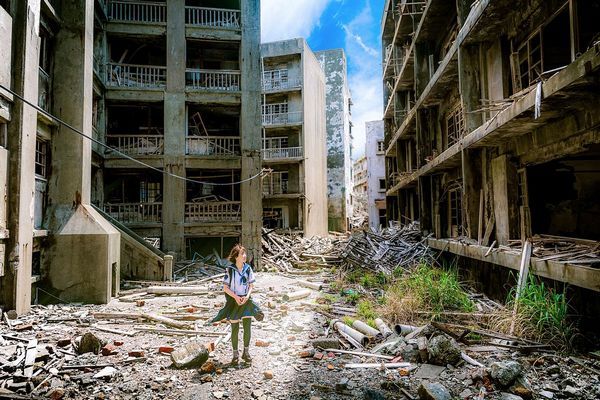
(375,156)
(339,138)
(491,126)
(178,87)
(51,238)
(294,138)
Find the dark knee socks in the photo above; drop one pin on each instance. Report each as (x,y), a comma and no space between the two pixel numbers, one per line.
(247,322)
(235,331)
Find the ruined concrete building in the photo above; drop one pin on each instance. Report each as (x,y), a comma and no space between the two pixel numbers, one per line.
(492,126)
(178,86)
(294,138)
(174,84)
(375,156)
(339,138)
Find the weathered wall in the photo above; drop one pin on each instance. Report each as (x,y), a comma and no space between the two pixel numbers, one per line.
(5,46)
(315,144)
(375,171)
(339,156)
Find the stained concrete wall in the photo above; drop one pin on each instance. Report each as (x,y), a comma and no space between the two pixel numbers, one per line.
(5,46)
(339,153)
(315,146)
(375,171)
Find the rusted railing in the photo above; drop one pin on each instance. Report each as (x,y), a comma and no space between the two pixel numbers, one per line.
(212,17)
(213,145)
(282,118)
(206,79)
(214,211)
(135,213)
(279,153)
(137,11)
(139,76)
(138,145)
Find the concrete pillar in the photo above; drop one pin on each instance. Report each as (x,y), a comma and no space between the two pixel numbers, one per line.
(175,131)
(472,186)
(16,284)
(470,85)
(504,175)
(82,260)
(422,51)
(250,129)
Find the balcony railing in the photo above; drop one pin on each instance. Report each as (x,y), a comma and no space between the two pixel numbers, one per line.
(146,12)
(282,153)
(275,186)
(281,83)
(135,213)
(282,118)
(43,90)
(213,145)
(138,76)
(212,17)
(206,79)
(137,145)
(214,211)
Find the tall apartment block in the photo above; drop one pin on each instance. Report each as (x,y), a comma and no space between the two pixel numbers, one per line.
(294,138)
(51,238)
(339,139)
(178,87)
(492,128)
(376,182)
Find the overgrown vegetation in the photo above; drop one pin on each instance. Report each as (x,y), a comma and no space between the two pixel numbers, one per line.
(542,315)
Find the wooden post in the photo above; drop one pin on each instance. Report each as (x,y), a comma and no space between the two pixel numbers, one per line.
(522,280)
(480,224)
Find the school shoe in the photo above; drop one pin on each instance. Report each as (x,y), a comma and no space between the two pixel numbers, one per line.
(236,357)
(246,356)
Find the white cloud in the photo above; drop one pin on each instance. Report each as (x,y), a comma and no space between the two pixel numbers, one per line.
(364,58)
(289,19)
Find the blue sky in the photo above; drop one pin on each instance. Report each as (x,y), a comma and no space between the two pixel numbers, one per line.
(353,25)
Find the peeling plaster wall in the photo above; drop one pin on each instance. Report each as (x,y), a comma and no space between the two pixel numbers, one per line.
(339,152)
(375,170)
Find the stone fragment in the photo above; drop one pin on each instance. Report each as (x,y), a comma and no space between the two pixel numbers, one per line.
(509,396)
(372,394)
(505,373)
(326,343)
(109,350)
(572,390)
(57,394)
(106,372)
(208,368)
(268,374)
(89,343)
(429,371)
(433,391)
(443,350)
(262,343)
(63,342)
(465,394)
(192,354)
(118,343)
(342,385)
(306,353)
(136,353)
(546,394)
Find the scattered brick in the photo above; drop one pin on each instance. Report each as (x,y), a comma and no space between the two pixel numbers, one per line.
(166,349)
(109,350)
(136,353)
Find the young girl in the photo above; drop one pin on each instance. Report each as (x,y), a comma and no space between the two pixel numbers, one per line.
(237,285)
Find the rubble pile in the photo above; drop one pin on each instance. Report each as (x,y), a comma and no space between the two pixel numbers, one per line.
(291,254)
(385,251)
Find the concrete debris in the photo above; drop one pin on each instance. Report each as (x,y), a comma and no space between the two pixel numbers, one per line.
(505,373)
(190,355)
(433,391)
(443,350)
(89,343)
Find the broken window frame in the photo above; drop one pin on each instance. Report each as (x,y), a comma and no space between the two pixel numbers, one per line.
(41,158)
(380,146)
(455,124)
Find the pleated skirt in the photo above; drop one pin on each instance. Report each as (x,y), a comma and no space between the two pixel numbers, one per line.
(234,312)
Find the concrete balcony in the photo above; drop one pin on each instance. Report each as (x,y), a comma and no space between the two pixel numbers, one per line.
(212,146)
(213,212)
(135,76)
(287,153)
(145,12)
(279,80)
(276,184)
(212,80)
(282,118)
(136,145)
(212,17)
(141,213)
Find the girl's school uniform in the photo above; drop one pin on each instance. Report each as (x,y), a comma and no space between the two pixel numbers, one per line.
(239,283)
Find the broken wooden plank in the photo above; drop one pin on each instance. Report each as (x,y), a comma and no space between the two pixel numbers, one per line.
(378,365)
(30,355)
(183,332)
(522,280)
(359,353)
(177,290)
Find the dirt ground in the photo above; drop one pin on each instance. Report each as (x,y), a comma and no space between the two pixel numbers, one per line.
(285,332)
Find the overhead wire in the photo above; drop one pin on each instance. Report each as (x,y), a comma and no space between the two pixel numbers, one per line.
(261,174)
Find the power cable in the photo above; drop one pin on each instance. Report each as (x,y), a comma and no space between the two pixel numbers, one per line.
(261,174)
